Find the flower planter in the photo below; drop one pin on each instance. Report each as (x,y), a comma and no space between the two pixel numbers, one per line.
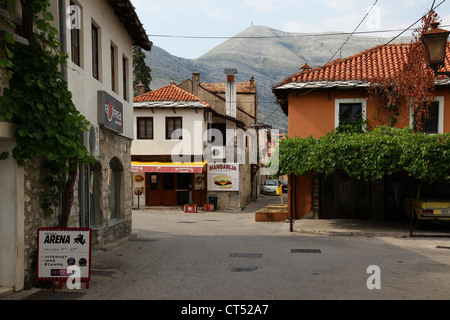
(272,214)
(190,208)
(209,207)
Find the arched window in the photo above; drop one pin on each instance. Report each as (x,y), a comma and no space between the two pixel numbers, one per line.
(115,181)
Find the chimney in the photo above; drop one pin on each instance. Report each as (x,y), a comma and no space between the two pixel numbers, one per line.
(252,82)
(230,93)
(140,89)
(195,83)
(305,67)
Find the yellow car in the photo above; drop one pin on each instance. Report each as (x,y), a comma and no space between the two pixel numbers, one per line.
(431,203)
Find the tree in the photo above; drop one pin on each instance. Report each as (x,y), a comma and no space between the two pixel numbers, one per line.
(382,151)
(39,103)
(414,82)
(141,71)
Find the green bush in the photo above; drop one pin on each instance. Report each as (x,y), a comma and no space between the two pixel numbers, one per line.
(369,155)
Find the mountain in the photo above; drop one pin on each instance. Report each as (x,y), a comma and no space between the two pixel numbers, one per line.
(267,54)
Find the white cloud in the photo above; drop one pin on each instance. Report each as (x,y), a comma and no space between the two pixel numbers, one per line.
(212,10)
(264,5)
(146,6)
(346,5)
(225,18)
(445,20)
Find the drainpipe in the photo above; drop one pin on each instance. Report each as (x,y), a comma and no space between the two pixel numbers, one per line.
(63,34)
(62,39)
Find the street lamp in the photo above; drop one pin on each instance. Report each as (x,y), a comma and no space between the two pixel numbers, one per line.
(435,42)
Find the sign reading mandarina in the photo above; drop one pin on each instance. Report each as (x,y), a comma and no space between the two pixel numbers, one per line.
(223,167)
(223,177)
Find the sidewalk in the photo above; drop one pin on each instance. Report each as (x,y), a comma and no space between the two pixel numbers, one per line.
(334,227)
(368,228)
(262,202)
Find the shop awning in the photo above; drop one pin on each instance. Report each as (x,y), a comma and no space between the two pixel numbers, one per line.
(168,167)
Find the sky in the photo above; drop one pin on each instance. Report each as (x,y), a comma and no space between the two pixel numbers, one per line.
(189,29)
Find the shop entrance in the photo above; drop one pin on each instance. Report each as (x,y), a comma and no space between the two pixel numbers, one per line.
(169,189)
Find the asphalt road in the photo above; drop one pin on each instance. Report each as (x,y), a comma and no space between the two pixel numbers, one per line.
(228,256)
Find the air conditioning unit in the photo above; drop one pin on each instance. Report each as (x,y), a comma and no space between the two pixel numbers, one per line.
(208,117)
(91,140)
(218,152)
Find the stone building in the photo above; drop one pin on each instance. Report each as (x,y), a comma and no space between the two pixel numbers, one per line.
(216,95)
(239,102)
(99,74)
(100,77)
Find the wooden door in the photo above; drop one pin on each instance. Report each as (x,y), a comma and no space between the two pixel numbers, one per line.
(153,191)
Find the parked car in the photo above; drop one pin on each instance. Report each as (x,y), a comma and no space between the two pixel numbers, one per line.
(284,184)
(429,203)
(270,187)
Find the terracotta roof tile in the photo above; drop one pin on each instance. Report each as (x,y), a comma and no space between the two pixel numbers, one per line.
(383,60)
(169,93)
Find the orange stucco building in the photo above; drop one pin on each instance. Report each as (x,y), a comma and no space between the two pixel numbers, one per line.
(317,99)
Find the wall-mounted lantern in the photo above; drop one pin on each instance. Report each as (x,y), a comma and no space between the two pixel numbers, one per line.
(435,43)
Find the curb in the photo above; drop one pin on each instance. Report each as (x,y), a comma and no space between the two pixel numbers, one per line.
(335,233)
(4,291)
(326,232)
(119,242)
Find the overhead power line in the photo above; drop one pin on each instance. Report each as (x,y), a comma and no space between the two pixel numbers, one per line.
(337,51)
(291,36)
(379,48)
(354,31)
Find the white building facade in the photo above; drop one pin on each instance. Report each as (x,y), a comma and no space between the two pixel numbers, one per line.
(98,35)
(205,161)
(167,152)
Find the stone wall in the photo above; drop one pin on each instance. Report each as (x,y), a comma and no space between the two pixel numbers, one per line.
(245,186)
(236,200)
(104,233)
(34,215)
(110,230)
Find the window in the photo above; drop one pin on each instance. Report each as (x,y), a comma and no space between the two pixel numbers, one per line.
(145,128)
(75,46)
(75,35)
(125,77)
(115,180)
(435,122)
(431,125)
(172,124)
(113,68)
(95,53)
(349,110)
(219,134)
